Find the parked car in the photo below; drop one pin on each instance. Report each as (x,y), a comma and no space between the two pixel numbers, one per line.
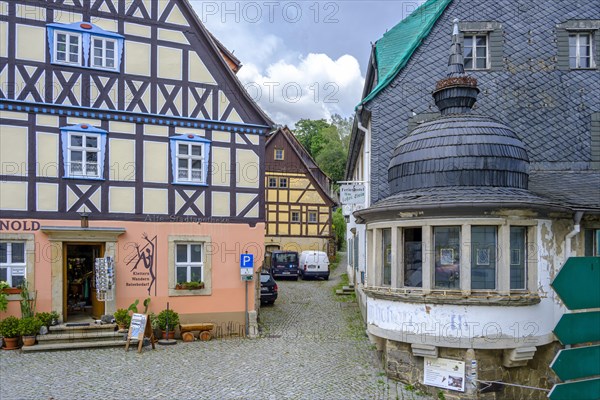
(284,264)
(268,288)
(314,264)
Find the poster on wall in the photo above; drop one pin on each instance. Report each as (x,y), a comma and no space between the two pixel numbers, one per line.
(444,373)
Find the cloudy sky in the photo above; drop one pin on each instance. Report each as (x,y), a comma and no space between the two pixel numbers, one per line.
(302,59)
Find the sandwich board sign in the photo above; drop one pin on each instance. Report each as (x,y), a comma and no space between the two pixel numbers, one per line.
(139,328)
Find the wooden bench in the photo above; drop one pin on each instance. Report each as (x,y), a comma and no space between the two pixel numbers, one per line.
(203,329)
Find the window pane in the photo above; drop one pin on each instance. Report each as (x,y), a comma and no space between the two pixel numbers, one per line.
(468,42)
(196,150)
(73,58)
(61,38)
(447,256)
(483,257)
(272,182)
(386,256)
(481,40)
(196,164)
(584,40)
(17,280)
(481,63)
(182,149)
(98,44)
(61,56)
(468,63)
(584,62)
(77,140)
(181,274)
(110,46)
(98,52)
(4,274)
(110,62)
(183,163)
(76,168)
(91,156)
(468,53)
(97,62)
(572,62)
(182,173)
(413,257)
(76,156)
(92,169)
(74,40)
(182,253)
(196,253)
(196,274)
(518,236)
(3,253)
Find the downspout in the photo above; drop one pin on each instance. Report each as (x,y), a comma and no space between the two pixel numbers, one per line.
(366,158)
(576,229)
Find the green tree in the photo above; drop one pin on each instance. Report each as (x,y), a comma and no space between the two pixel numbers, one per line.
(339,228)
(308,133)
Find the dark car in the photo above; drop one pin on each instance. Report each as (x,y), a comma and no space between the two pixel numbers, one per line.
(284,264)
(268,288)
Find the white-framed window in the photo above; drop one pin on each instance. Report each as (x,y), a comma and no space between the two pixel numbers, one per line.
(103,52)
(312,217)
(13,265)
(283,182)
(190,160)
(83,152)
(272,182)
(580,50)
(295,216)
(475,51)
(189,262)
(279,154)
(67,47)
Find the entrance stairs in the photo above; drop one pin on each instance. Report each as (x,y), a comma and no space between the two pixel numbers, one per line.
(78,336)
(345,290)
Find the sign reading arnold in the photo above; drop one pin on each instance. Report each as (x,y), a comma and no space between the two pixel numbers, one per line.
(352,193)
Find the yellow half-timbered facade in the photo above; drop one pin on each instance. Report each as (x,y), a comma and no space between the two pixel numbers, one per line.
(126,114)
(298,203)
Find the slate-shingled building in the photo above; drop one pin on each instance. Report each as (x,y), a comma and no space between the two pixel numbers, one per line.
(469,215)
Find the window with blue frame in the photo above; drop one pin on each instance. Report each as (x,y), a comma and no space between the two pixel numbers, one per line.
(189,159)
(85,45)
(84,147)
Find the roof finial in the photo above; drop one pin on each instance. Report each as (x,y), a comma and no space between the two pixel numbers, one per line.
(455,30)
(456,65)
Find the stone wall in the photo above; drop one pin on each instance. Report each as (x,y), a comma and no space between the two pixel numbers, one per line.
(401,365)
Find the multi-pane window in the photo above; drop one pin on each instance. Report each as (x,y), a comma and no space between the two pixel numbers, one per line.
(518,257)
(283,182)
(12,263)
(483,257)
(272,182)
(190,160)
(580,50)
(83,155)
(447,256)
(188,262)
(103,52)
(475,51)
(279,154)
(592,242)
(295,217)
(413,257)
(67,47)
(386,257)
(312,217)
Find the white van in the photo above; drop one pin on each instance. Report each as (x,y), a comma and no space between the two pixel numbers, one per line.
(314,264)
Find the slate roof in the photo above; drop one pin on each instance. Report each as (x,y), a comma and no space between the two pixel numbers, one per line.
(548,108)
(578,189)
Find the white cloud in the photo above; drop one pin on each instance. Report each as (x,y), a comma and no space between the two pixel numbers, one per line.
(313,87)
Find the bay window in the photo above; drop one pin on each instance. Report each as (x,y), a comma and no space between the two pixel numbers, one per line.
(483,257)
(518,257)
(447,256)
(386,256)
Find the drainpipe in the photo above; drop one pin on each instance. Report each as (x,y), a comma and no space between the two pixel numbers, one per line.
(366,158)
(576,229)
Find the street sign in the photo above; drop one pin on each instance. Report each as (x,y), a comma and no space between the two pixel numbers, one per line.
(352,193)
(247,264)
(580,390)
(577,283)
(578,328)
(580,362)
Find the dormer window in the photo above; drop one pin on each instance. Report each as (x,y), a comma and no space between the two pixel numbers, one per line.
(85,45)
(580,50)
(476,52)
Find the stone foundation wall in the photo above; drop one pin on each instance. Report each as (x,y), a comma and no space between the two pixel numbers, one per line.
(400,364)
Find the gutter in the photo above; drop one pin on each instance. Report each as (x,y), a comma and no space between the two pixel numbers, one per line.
(576,229)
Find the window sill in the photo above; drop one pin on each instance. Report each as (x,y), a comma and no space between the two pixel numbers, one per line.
(182,292)
(454,297)
(73,65)
(191,183)
(87,178)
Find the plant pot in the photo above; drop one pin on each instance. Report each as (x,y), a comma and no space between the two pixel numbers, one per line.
(28,340)
(11,343)
(171,335)
(122,327)
(12,290)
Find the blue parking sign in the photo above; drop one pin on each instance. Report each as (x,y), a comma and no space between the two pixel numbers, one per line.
(247,260)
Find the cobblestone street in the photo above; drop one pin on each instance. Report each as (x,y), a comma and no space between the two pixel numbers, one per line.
(312,346)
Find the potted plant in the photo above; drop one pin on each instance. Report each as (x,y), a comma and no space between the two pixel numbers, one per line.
(3,295)
(9,330)
(29,328)
(193,285)
(122,318)
(172,317)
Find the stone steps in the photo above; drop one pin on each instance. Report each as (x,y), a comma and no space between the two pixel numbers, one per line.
(75,345)
(64,337)
(346,290)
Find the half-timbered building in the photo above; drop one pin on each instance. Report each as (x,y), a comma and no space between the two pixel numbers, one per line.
(126,114)
(298,202)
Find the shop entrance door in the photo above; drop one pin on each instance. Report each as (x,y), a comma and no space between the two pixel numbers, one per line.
(80,303)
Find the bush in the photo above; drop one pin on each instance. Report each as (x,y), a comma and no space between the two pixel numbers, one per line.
(47,317)
(30,326)
(9,327)
(3,296)
(122,317)
(162,319)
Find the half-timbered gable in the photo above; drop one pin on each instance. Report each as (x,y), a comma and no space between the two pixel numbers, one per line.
(298,204)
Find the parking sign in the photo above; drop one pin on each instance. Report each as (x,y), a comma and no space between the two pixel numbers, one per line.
(247,264)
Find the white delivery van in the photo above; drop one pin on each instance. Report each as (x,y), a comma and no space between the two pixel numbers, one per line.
(314,264)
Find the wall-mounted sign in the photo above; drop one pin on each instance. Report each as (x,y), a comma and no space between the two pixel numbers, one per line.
(444,373)
(104,271)
(246,265)
(352,193)
(19,225)
(144,256)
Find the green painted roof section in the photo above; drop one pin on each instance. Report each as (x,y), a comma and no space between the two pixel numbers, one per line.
(397,45)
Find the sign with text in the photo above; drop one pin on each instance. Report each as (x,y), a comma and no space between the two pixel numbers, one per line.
(247,264)
(352,193)
(140,327)
(444,373)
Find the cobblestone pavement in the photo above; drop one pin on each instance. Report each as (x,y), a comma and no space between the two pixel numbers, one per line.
(312,346)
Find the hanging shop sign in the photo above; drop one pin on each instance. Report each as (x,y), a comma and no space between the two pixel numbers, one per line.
(352,193)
